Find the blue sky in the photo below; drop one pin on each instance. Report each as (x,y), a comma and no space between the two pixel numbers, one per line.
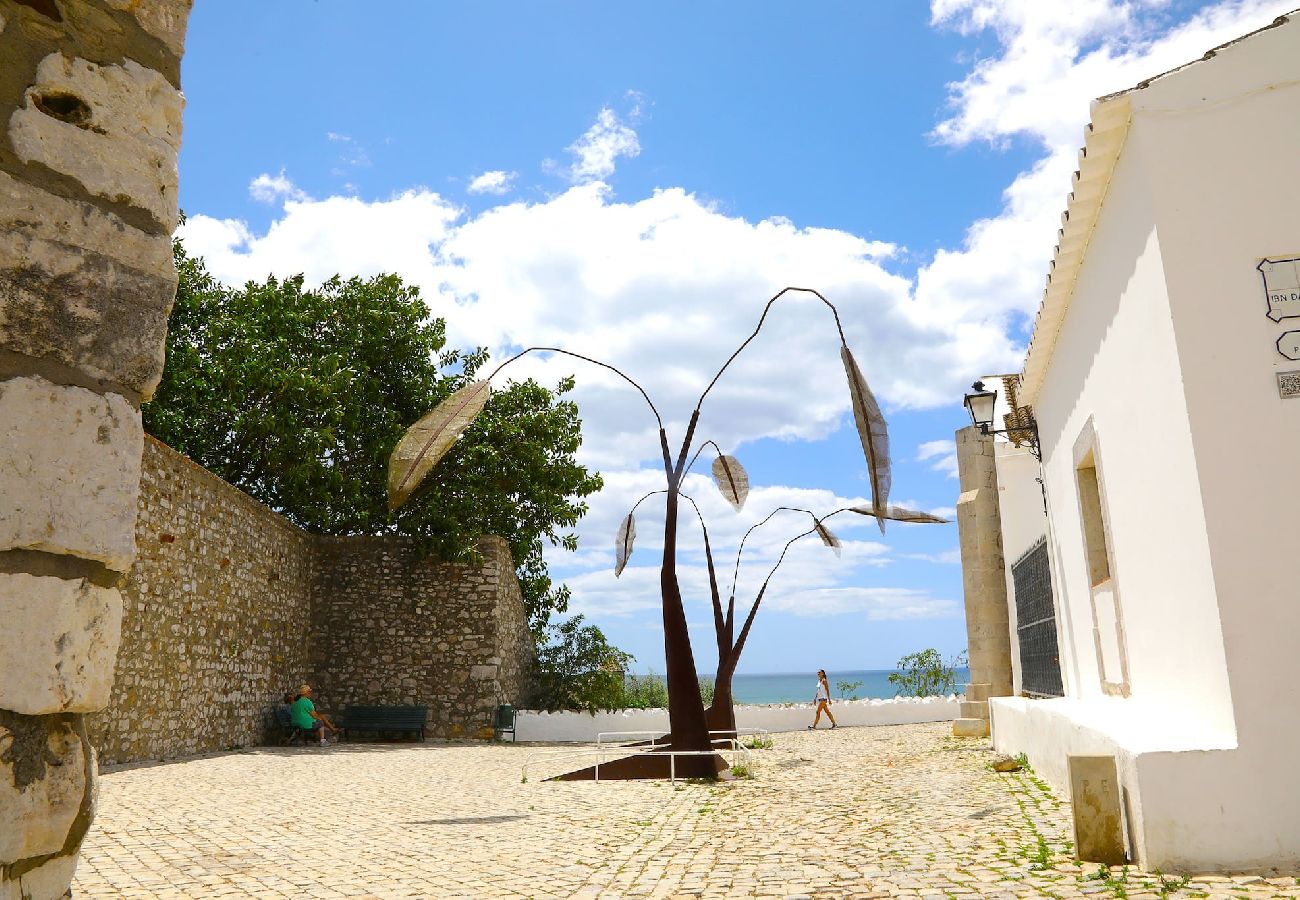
(633,182)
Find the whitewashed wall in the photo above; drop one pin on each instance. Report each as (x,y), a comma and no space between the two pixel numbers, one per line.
(579,726)
(1166,347)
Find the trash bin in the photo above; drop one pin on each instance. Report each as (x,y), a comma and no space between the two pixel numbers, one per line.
(505,721)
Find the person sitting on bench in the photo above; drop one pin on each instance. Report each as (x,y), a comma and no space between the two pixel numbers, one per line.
(303,712)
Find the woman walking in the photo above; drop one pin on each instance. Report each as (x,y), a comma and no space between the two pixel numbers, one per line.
(822,700)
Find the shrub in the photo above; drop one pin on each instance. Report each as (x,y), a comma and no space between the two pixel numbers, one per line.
(925,674)
(578,669)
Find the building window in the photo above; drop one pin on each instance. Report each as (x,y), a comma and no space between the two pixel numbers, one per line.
(1040,658)
(1094,527)
(1107,615)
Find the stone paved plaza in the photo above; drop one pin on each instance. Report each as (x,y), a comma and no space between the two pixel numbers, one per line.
(902,811)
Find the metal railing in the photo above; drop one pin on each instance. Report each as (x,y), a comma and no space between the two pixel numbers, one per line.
(759,734)
(654,736)
(619,738)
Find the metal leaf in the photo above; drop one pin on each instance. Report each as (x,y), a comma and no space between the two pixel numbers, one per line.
(873,433)
(827,537)
(429,439)
(623,544)
(732,480)
(899,514)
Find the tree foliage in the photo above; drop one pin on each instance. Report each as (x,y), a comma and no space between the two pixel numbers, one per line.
(297,395)
(925,674)
(578,669)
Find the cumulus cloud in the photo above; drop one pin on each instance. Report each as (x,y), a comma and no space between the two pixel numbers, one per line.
(493,182)
(266,188)
(596,152)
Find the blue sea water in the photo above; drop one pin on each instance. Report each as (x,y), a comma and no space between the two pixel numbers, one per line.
(799,687)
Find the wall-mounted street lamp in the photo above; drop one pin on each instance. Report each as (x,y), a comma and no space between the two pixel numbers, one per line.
(980,402)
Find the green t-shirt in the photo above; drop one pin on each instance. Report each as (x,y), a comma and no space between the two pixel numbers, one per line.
(302,709)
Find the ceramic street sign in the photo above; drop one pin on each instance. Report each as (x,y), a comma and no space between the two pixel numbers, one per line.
(1282,288)
(1289,344)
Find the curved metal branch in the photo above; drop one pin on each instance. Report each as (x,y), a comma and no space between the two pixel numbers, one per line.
(759,327)
(643,499)
(596,362)
(687,470)
(735,575)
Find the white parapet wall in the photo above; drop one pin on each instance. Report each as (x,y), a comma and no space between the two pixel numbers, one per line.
(584,727)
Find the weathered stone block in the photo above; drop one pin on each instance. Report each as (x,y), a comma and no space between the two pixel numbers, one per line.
(114,129)
(974,728)
(69,471)
(43,774)
(77,224)
(84,310)
(164,19)
(51,880)
(58,645)
(1098,817)
(974,709)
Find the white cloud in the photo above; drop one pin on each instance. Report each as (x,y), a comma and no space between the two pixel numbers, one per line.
(665,287)
(320,238)
(944,456)
(351,152)
(879,604)
(267,188)
(494,182)
(950,557)
(604,142)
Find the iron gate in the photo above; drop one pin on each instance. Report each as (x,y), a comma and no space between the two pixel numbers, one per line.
(1040,660)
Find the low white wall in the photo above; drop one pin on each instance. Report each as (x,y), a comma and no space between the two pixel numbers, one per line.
(581,726)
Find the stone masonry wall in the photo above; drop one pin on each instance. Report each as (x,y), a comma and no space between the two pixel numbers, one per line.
(391,629)
(90,125)
(229,606)
(216,617)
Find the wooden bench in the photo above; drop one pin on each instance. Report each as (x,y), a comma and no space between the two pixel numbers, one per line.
(381,719)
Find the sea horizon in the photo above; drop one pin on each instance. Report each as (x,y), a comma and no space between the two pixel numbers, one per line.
(800,687)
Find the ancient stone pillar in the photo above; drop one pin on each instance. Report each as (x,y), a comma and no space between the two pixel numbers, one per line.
(90,109)
(984,582)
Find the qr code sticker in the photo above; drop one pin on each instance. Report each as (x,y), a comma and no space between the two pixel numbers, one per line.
(1288,385)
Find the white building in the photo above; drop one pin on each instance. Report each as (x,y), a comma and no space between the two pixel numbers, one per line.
(1164,376)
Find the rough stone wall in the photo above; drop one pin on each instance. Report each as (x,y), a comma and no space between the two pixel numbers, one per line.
(217,612)
(90,110)
(228,606)
(391,629)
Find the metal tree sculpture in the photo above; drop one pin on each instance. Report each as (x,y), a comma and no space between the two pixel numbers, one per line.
(721,714)
(430,438)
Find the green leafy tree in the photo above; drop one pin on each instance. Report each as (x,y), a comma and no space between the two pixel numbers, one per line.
(847,688)
(578,669)
(297,395)
(925,674)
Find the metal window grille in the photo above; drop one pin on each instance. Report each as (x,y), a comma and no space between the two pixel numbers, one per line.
(1040,659)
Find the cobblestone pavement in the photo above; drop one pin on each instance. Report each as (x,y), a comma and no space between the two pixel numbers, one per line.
(902,811)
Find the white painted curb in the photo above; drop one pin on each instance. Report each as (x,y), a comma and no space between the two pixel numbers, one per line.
(580,726)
